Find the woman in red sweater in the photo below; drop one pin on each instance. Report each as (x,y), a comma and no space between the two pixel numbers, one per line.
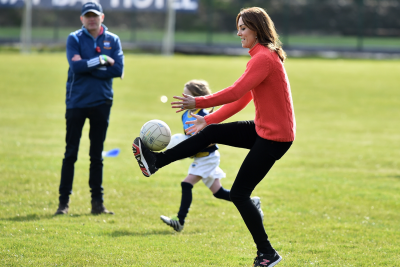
(268,137)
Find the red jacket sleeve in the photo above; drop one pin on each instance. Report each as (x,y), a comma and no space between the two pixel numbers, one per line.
(257,70)
(228,110)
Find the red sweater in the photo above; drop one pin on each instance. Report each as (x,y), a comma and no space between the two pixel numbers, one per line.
(266,82)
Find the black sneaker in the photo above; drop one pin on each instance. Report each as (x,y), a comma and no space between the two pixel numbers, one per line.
(98,208)
(144,157)
(267,259)
(62,209)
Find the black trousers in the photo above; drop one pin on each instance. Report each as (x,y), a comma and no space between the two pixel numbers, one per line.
(75,119)
(259,160)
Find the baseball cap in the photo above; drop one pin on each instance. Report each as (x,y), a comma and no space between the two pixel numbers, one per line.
(92,7)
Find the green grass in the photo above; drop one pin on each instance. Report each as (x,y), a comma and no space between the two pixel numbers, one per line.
(126,35)
(332,200)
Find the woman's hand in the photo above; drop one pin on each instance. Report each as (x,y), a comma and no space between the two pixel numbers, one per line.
(187,102)
(197,126)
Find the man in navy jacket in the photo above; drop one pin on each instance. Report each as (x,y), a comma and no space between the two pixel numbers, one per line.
(95,57)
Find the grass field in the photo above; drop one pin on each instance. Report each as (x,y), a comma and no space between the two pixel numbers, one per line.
(332,200)
(49,34)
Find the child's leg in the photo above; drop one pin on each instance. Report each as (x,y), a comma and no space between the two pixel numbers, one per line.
(186,200)
(218,190)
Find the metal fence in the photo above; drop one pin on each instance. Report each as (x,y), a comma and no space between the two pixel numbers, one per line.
(341,25)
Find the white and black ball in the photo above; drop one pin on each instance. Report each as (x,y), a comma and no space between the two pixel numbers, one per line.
(156,135)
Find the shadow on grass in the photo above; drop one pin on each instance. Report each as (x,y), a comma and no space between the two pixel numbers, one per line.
(147,233)
(27,218)
(36,217)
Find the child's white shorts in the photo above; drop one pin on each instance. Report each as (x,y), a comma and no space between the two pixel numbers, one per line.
(208,168)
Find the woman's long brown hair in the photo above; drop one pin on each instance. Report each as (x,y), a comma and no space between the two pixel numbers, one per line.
(257,19)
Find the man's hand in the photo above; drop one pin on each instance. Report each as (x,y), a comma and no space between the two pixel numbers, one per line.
(76,58)
(110,60)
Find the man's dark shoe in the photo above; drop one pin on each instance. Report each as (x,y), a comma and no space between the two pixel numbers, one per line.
(62,208)
(267,259)
(98,208)
(144,157)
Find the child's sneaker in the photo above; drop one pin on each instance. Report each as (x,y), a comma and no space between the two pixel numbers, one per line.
(173,222)
(257,203)
(267,259)
(144,157)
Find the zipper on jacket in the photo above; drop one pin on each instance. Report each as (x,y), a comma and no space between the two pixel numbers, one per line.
(94,40)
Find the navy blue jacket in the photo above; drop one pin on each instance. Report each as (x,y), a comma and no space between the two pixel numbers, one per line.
(89,84)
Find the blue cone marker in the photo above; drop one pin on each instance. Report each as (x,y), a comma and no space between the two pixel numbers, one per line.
(111,153)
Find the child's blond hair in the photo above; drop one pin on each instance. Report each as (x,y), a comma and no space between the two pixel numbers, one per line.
(198,87)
